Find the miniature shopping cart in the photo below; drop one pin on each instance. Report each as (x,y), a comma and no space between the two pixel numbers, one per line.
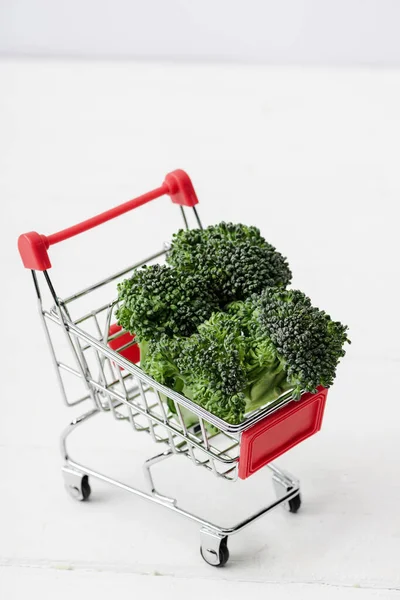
(89,348)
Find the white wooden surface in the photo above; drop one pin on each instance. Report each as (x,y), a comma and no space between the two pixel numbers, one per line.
(312,157)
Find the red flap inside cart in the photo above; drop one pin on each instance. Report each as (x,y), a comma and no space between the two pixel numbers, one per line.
(280,431)
(129,350)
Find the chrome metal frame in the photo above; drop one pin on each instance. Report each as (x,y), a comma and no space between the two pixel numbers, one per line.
(114,384)
(286,486)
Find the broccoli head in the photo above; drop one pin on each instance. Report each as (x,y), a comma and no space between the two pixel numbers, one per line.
(234,260)
(227,366)
(206,367)
(218,325)
(159,300)
(309,343)
(246,357)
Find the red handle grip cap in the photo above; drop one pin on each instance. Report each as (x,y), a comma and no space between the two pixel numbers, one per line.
(33,250)
(180,188)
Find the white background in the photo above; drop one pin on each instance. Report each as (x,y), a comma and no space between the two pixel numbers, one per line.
(323,32)
(310,156)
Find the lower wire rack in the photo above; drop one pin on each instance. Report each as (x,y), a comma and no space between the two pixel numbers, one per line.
(213,538)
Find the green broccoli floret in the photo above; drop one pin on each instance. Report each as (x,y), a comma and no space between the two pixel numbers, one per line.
(218,326)
(206,367)
(227,366)
(265,369)
(246,357)
(309,343)
(234,260)
(159,300)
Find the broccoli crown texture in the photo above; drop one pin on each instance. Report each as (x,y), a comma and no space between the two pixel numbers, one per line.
(159,300)
(207,366)
(308,341)
(234,260)
(218,325)
(227,366)
(241,359)
(258,351)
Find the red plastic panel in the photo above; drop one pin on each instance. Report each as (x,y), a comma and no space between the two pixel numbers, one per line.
(280,431)
(131,353)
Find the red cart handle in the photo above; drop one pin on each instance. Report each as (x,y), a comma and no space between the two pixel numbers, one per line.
(33,247)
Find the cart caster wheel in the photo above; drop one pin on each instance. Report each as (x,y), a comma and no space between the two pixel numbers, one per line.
(293,505)
(80,492)
(85,488)
(216,558)
(77,485)
(283,487)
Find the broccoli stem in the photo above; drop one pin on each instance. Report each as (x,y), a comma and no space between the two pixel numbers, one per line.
(266,388)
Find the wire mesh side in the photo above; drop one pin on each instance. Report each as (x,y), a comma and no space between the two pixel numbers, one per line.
(129,399)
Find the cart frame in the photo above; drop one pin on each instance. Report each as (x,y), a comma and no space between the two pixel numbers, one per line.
(115,385)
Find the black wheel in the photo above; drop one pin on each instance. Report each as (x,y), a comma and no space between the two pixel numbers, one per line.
(294,504)
(223,554)
(85,488)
